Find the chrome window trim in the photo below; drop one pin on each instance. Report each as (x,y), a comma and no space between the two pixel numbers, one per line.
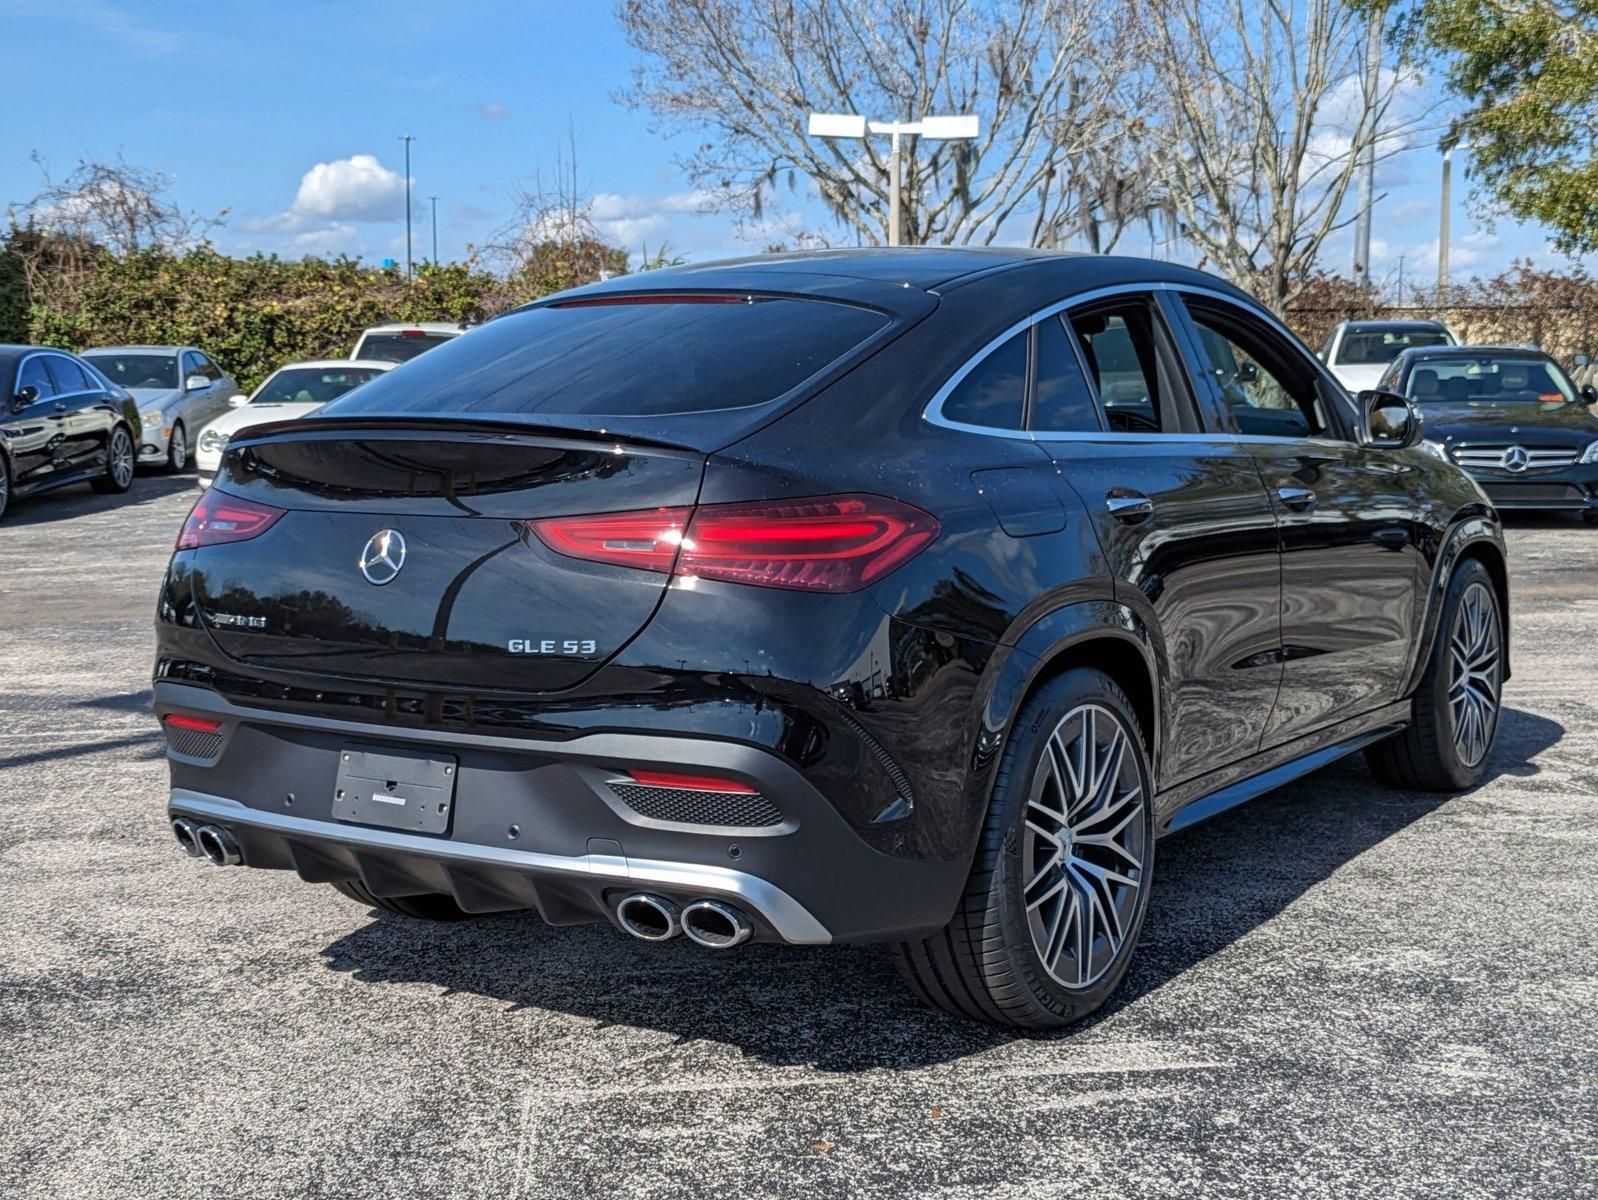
(933,412)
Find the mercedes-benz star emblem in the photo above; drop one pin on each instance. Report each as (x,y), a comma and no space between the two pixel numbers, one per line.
(1516,459)
(383,556)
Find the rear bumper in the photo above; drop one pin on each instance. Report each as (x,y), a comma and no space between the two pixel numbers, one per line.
(537,824)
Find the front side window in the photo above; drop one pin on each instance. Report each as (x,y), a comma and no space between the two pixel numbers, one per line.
(993,393)
(35,375)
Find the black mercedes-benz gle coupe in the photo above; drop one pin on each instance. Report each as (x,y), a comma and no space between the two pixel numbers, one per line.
(898,596)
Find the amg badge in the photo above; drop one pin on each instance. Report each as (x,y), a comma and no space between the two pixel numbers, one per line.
(566,647)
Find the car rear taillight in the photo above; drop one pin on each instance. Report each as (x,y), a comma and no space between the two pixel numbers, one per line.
(821,544)
(695,783)
(219,518)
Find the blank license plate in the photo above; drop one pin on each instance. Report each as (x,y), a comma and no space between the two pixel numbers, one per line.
(394,789)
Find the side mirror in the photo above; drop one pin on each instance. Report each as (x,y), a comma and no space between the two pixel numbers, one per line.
(24,397)
(237,401)
(195,382)
(1388,421)
(1589,393)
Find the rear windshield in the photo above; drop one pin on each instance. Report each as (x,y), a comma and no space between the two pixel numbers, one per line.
(398,347)
(1368,347)
(138,370)
(625,357)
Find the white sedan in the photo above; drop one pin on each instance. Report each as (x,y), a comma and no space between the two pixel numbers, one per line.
(289,392)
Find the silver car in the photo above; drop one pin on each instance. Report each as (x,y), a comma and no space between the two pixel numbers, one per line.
(178,390)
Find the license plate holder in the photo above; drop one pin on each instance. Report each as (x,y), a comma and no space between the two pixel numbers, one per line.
(394,789)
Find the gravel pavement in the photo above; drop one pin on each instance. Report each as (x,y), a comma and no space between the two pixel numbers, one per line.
(1341,991)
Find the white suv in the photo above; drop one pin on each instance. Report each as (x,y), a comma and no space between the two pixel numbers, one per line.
(401,343)
(1358,351)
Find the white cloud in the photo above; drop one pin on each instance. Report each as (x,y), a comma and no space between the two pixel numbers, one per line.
(358,188)
(494,110)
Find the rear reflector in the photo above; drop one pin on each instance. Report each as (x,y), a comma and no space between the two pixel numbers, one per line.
(823,544)
(697,783)
(198,724)
(219,518)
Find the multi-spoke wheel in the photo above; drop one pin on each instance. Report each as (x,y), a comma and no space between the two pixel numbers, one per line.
(1082,852)
(1046,926)
(177,449)
(1473,682)
(118,475)
(1456,707)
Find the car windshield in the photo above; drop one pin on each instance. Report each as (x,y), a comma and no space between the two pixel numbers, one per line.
(399,346)
(1489,380)
(311,385)
(1374,346)
(137,370)
(626,356)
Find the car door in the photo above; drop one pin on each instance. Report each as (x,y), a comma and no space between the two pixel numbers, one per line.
(1350,525)
(195,405)
(216,394)
(36,427)
(1185,525)
(85,421)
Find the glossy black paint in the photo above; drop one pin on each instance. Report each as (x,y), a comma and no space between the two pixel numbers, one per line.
(1247,634)
(61,438)
(1457,427)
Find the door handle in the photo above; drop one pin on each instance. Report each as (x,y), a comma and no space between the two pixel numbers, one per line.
(1298,499)
(59,407)
(1390,539)
(1127,506)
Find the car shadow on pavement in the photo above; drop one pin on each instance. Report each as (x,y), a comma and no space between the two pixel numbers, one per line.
(842,1008)
(78,499)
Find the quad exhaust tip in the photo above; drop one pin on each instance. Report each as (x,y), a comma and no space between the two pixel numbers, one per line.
(715,925)
(649,918)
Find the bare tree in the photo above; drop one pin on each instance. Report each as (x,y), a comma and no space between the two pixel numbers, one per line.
(1049,164)
(1264,111)
(551,242)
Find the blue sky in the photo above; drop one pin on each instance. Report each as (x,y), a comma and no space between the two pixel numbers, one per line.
(288,115)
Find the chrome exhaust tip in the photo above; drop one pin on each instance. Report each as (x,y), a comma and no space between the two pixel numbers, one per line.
(187,834)
(217,844)
(650,918)
(715,925)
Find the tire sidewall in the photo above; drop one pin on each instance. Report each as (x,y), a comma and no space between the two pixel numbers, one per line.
(1432,702)
(1027,744)
(179,434)
(110,463)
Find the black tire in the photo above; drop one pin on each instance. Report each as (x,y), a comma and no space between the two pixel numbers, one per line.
(1427,756)
(120,458)
(986,963)
(5,484)
(433,906)
(179,438)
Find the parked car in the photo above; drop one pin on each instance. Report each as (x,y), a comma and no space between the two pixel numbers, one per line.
(62,423)
(291,391)
(401,343)
(1358,351)
(823,599)
(1512,418)
(178,389)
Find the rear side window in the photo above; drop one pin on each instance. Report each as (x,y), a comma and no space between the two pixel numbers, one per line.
(993,393)
(69,377)
(626,356)
(1061,399)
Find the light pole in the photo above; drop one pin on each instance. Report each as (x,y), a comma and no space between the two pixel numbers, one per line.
(434,201)
(1367,154)
(849,125)
(407,139)
(1444,212)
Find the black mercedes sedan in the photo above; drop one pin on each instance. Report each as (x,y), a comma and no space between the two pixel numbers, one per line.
(63,422)
(1511,417)
(896,596)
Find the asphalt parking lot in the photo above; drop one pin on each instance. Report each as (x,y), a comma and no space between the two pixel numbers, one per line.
(1341,991)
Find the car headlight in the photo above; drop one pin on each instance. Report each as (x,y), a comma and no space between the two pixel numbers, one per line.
(1590,454)
(1435,449)
(153,420)
(212,442)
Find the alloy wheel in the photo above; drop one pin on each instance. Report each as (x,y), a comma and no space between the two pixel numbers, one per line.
(1083,852)
(178,449)
(121,458)
(1474,673)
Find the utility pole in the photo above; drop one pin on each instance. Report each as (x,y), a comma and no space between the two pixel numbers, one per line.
(1445,212)
(434,200)
(1367,165)
(407,139)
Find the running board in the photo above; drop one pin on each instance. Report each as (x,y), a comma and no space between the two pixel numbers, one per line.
(1204,807)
